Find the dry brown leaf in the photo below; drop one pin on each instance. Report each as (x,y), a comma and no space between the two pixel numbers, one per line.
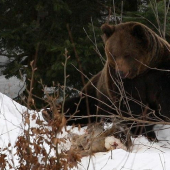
(34,131)
(55,141)
(34,116)
(27,120)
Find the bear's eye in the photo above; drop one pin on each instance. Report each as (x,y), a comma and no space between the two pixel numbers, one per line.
(127,56)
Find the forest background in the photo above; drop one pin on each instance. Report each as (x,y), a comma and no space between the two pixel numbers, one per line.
(41,31)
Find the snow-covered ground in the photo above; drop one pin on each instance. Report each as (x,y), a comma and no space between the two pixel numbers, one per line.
(13,86)
(144,155)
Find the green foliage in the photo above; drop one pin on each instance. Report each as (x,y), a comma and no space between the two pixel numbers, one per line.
(28,24)
(37,30)
(156,15)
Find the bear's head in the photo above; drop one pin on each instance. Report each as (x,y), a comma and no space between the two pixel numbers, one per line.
(132,48)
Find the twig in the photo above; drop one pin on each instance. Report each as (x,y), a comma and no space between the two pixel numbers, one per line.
(65,78)
(126,118)
(121,15)
(80,68)
(114,12)
(155,11)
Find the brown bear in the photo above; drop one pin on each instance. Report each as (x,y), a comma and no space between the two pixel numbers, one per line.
(134,83)
(138,63)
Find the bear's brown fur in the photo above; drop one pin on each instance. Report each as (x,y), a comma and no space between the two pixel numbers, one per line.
(129,84)
(131,47)
(136,58)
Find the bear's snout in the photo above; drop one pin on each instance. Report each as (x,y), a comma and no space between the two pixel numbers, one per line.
(122,74)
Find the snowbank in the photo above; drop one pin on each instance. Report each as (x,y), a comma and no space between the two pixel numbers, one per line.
(12,87)
(144,155)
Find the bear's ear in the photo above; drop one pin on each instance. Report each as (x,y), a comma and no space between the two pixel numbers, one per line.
(138,31)
(108,30)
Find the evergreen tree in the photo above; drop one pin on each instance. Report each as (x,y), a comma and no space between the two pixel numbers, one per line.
(41,30)
(38,30)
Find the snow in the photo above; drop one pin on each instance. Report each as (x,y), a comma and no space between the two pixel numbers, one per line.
(144,155)
(10,119)
(12,87)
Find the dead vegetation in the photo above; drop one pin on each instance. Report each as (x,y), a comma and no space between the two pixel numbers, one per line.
(40,147)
